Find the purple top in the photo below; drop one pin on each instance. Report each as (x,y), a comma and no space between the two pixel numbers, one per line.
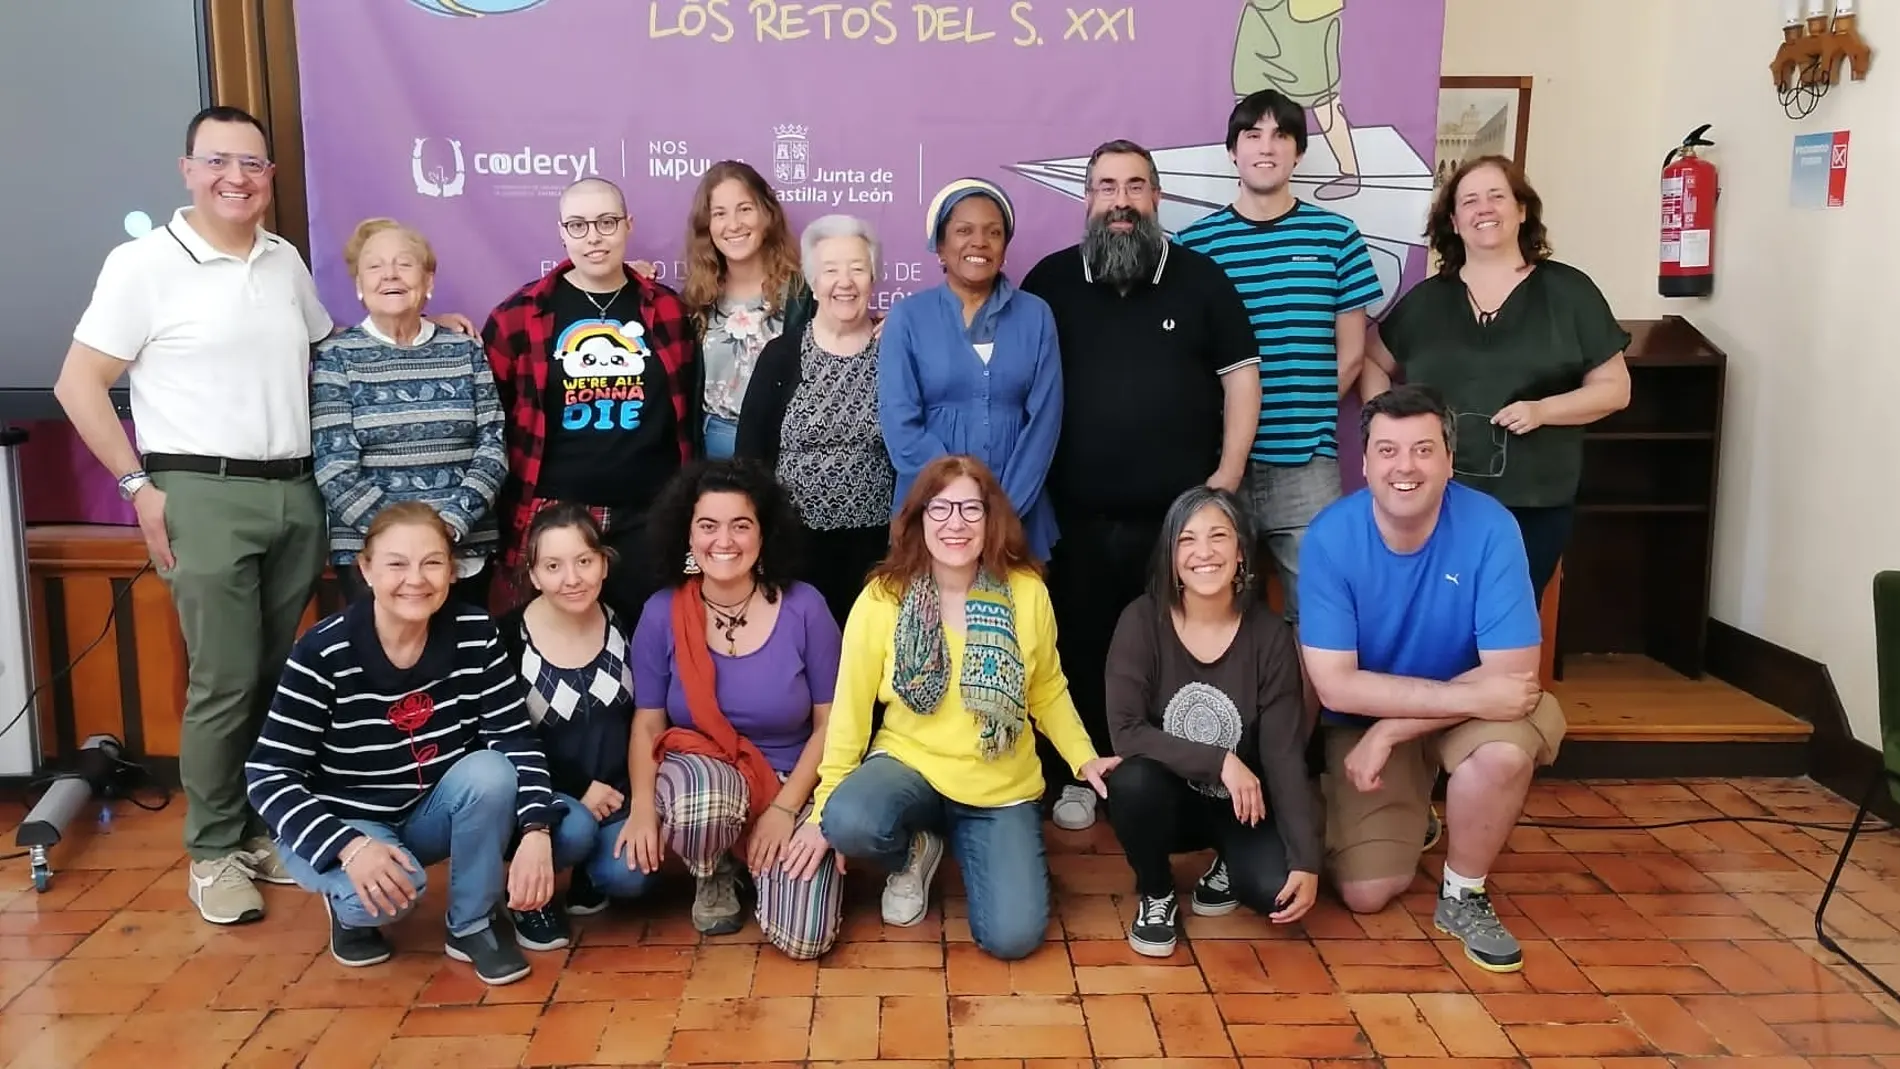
(767,695)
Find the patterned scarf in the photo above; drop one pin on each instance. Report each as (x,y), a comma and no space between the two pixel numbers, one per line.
(992,683)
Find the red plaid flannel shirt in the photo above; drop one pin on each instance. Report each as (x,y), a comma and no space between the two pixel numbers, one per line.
(519,334)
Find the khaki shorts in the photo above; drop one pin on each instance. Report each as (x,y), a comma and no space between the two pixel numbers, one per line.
(1380,835)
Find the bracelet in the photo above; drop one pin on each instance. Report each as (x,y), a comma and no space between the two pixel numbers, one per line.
(784,810)
(350,854)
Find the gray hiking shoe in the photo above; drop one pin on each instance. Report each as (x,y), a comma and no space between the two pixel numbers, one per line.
(716,909)
(1471,920)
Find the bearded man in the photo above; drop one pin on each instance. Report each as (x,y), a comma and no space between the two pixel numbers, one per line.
(1161,391)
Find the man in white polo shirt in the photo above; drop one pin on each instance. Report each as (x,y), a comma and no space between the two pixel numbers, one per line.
(213,317)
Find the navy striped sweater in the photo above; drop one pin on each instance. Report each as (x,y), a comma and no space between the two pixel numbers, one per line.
(352,737)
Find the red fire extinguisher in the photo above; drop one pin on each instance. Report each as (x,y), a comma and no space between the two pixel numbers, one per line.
(1689,190)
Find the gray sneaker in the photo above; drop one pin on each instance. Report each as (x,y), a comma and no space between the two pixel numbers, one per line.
(1471,920)
(223,892)
(716,900)
(907,891)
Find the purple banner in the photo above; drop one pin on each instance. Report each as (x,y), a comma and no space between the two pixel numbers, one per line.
(468,125)
(466,118)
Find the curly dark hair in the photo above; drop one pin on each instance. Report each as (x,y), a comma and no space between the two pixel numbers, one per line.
(781,527)
(1532,239)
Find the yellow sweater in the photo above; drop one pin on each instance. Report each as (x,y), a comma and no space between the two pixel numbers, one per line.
(942,746)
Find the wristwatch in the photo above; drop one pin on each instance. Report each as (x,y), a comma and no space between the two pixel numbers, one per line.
(132,482)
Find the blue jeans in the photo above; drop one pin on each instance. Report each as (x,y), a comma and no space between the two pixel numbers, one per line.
(1283,500)
(467,818)
(721,436)
(878,808)
(580,840)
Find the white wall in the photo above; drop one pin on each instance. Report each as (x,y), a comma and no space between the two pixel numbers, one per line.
(1807,508)
(1596,140)
(1807,512)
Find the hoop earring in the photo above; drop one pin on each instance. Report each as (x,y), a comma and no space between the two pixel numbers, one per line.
(692,563)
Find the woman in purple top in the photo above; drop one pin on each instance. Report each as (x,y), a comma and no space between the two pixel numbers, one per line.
(734,663)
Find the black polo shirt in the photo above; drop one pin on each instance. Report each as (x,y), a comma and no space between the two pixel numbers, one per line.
(1141,390)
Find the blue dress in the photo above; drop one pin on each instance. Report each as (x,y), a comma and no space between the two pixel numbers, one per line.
(937,395)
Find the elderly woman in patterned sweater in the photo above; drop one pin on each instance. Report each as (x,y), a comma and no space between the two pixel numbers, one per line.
(398,738)
(403,411)
(1204,704)
(811,415)
(575,655)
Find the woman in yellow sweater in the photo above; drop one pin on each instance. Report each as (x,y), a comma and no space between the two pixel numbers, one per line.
(955,638)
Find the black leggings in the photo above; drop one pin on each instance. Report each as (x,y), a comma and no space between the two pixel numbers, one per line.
(1156,813)
(1546,532)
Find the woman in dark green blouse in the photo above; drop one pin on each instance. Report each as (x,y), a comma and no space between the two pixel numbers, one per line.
(1524,348)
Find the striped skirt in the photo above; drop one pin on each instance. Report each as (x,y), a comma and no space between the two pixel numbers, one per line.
(703,804)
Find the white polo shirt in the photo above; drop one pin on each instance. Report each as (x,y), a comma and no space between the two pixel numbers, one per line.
(219,346)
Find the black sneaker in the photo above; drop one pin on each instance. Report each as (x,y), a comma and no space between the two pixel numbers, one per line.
(355,947)
(1152,933)
(540,929)
(583,898)
(1212,898)
(496,960)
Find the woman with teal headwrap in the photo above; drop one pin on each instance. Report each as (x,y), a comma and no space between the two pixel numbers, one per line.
(971,366)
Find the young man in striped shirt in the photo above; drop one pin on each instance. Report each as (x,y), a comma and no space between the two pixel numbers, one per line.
(1306,278)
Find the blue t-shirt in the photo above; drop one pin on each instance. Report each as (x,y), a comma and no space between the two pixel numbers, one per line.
(1424,614)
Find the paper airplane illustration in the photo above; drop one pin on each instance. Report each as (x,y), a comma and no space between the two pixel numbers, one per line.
(1394,197)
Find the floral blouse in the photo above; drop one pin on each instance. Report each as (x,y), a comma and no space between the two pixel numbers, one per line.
(736,332)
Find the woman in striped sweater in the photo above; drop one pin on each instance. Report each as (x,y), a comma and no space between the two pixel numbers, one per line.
(399,737)
(402,411)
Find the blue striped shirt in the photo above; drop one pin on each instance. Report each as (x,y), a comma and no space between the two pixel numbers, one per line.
(1296,274)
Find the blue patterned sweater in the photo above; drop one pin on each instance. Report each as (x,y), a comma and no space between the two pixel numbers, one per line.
(394,423)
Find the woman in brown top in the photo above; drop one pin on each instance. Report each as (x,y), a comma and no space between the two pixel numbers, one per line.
(1204,703)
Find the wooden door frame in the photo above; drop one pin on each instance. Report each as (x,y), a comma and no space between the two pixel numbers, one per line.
(252,50)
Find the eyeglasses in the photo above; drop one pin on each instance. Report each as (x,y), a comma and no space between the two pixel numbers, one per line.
(939,509)
(251,165)
(1134,187)
(608,225)
(1483,447)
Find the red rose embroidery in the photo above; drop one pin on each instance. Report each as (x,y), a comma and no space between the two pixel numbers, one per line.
(408,715)
(412,712)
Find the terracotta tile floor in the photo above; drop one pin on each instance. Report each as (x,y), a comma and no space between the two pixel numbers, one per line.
(1690,946)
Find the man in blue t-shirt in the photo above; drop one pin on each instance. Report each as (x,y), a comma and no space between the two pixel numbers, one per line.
(1421,635)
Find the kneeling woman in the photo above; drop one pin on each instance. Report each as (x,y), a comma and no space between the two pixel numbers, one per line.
(398,737)
(1205,702)
(575,655)
(733,668)
(955,636)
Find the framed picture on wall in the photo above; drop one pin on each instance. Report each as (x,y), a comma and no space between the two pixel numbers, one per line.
(1481,115)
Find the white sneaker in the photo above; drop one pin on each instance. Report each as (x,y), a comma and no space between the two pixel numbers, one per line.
(1075,810)
(907,891)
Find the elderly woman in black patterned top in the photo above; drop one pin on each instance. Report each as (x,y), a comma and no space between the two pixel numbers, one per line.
(811,414)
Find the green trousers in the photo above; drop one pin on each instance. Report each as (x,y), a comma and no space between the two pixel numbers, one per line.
(248,553)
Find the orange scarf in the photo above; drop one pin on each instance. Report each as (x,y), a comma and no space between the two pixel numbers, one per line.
(712,735)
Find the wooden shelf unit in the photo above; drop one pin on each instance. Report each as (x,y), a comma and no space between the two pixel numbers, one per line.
(1639,563)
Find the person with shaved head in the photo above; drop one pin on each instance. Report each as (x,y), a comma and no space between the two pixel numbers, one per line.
(594,365)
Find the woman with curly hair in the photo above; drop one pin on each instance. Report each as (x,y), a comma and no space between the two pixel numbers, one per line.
(734,662)
(1524,348)
(743,287)
(955,638)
